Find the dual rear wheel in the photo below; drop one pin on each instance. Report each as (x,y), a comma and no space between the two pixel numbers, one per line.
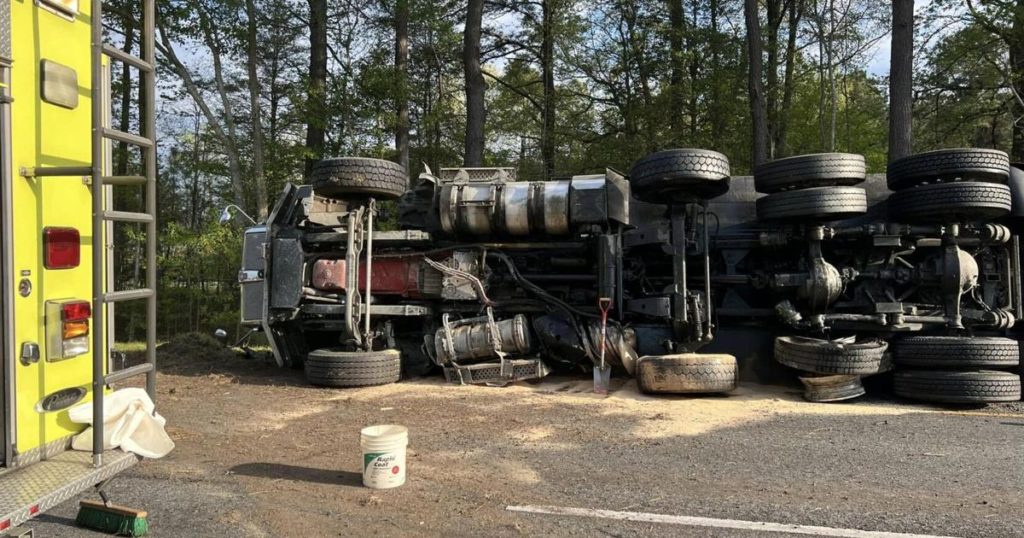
(946,369)
(819,187)
(964,184)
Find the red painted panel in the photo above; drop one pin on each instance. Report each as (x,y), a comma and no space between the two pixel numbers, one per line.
(391,276)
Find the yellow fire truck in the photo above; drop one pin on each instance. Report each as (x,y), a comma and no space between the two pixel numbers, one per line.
(56,215)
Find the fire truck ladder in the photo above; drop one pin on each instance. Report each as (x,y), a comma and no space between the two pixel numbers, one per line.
(102,214)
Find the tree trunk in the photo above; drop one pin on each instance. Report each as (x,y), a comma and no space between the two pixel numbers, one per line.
(755,84)
(677,93)
(255,108)
(547,60)
(316,105)
(475,86)
(833,100)
(694,72)
(717,119)
(781,133)
(775,12)
(402,72)
(121,162)
(901,69)
(1016,45)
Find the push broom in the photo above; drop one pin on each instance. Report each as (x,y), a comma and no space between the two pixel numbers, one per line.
(111,518)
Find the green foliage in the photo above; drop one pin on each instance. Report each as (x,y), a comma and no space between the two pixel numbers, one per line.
(198,290)
(963,96)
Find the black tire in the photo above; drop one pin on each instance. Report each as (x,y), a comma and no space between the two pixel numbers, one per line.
(816,170)
(967,164)
(981,386)
(331,368)
(687,373)
(357,177)
(947,202)
(954,352)
(864,357)
(822,203)
(680,175)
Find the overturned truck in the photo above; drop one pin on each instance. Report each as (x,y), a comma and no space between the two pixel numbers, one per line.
(496,280)
(492,279)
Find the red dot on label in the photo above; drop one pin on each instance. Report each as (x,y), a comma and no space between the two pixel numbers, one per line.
(394,470)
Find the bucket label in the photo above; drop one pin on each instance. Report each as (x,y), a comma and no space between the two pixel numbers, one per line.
(381,462)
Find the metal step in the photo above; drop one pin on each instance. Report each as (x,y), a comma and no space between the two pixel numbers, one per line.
(126,216)
(127,295)
(32,490)
(491,372)
(129,372)
(127,138)
(127,58)
(124,180)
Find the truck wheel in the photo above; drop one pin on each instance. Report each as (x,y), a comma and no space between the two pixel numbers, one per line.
(952,352)
(356,177)
(943,202)
(816,170)
(680,175)
(823,203)
(863,357)
(968,164)
(332,368)
(982,386)
(686,373)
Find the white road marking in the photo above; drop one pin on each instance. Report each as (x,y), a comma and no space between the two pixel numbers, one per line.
(693,521)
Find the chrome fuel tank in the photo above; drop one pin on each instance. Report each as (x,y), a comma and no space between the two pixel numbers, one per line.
(516,208)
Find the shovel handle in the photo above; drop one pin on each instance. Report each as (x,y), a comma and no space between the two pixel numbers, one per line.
(604,304)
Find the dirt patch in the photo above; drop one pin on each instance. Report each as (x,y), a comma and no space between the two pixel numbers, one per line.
(192,348)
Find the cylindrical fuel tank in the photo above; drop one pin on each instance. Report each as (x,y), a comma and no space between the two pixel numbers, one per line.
(473,341)
(517,208)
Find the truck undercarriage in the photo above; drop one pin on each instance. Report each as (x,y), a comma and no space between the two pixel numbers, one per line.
(498,280)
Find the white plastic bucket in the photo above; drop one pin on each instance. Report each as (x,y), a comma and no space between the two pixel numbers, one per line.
(384,455)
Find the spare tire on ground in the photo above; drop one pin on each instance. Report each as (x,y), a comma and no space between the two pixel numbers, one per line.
(843,356)
(815,170)
(953,352)
(680,175)
(333,368)
(687,373)
(819,203)
(357,177)
(948,202)
(965,164)
(981,386)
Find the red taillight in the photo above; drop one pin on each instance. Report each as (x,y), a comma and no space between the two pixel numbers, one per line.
(62,248)
(81,311)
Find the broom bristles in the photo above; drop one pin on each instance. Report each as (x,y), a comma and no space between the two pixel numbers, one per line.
(112,519)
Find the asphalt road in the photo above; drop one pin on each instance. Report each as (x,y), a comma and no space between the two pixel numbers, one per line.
(259,457)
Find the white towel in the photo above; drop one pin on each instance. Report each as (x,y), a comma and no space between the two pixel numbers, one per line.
(129,422)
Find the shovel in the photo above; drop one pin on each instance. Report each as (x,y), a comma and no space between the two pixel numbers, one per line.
(602,372)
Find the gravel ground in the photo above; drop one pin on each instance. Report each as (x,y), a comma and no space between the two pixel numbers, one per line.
(260,454)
